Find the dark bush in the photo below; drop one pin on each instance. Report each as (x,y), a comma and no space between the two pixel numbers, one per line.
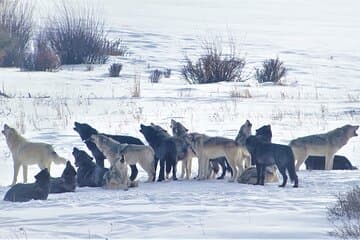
(155,76)
(78,37)
(214,66)
(43,58)
(344,216)
(167,73)
(16,26)
(114,69)
(273,70)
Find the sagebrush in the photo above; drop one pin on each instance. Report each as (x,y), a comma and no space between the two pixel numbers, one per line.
(16,29)
(344,215)
(273,70)
(214,65)
(78,36)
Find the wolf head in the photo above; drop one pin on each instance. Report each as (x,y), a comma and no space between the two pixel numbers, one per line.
(350,130)
(264,132)
(69,171)
(178,129)
(244,132)
(84,130)
(43,177)
(81,157)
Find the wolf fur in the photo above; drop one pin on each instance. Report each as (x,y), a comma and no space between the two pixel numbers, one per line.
(89,174)
(133,154)
(26,153)
(26,192)
(117,177)
(65,183)
(318,163)
(85,131)
(326,144)
(249,176)
(267,154)
(207,148)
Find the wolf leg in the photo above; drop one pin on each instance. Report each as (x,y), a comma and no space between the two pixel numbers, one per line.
(283,174)
(329,161)
(134,172)
(300,157)
(188,167)
(25,173)
(16,172)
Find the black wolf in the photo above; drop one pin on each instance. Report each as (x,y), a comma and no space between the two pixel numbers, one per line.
(23,192)
(85,131)
(266,154)
(65,183)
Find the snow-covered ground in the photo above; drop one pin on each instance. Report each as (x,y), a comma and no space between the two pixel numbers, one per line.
(319,43)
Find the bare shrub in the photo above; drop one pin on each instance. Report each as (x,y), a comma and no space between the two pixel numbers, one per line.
(155,76)
(167,73)
(43,58)
(273,70)
(214,65)
(16,27)
(79,37)
(135,91)
(344,216)
(240,93)
(114,69)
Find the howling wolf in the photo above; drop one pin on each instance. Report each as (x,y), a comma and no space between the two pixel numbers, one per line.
(326,144)
(26,153)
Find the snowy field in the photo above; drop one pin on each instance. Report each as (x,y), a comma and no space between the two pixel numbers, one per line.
(318,41)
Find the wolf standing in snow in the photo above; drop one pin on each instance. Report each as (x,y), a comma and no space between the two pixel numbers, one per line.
(26,153)
(326,144)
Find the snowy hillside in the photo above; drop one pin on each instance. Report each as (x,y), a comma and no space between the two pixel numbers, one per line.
(318,42)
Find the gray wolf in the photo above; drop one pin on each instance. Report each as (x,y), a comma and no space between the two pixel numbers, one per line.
(318,163)
(207,148)
(89,174)
(167,149)
(326,144)
(26,192)
(85,131)
(26,153)
(245,130)
(249,176)
(267,154)
(113,150)
(117,178)
(65,183)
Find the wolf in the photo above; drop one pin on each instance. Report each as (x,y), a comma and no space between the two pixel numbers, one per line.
(264,133)
(325,144)
(267,154)
(181,131)
(113,150)
(26,192)
(65,183)
(85,131)
(318,163)
(168,149)
(249,176)
(207,147)
(89,174)
(117,177)
(26,153)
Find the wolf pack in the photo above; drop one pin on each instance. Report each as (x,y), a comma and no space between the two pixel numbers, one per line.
(248,159)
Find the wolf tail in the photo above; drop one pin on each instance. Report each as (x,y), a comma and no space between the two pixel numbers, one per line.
(57,159)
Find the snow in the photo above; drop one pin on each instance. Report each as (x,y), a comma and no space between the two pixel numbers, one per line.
(317,41)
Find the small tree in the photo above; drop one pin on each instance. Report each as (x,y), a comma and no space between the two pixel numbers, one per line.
(344,216)
(214,65)
(273,70)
